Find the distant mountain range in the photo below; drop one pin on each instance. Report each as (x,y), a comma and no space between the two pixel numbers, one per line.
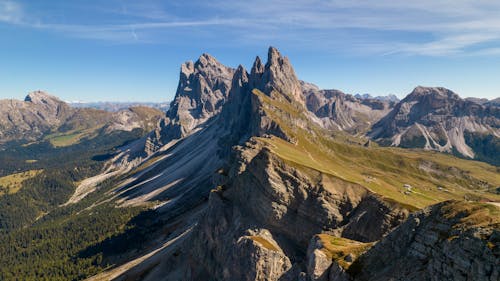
(390,98)
(486,102)
(43,116)
(117,106)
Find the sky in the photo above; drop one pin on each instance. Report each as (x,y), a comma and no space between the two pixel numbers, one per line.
(127,50)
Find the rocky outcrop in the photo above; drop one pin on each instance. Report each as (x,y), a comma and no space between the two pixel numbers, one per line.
(438,119)
(448,241)
(319,262)
(339,111)
(329,257)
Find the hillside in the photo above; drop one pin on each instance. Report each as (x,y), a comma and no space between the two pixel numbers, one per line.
(42,116)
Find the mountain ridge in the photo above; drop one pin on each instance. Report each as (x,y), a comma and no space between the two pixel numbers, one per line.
(438,119)
(41,115)
(255,182)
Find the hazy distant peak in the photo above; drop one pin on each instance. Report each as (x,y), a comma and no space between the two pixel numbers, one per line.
(477,100)
(484,101)
(308,87)
(388,98)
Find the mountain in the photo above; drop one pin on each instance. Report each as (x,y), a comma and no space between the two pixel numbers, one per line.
(42,116)
(438,119)
(37,114)
(243,191)
(117,106)
(388,98)
(339,111)
(241,181)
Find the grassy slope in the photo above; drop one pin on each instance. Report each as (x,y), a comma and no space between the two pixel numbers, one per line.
(71,137)
(12,183)
(382,170)
(473,214)
(338,248)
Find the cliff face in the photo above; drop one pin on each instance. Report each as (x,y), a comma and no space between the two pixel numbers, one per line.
(448,241)
(202,91)
(277,208)
(438,119)
(203,88)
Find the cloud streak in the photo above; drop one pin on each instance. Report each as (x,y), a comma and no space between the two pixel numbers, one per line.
(10,12)
(426,28)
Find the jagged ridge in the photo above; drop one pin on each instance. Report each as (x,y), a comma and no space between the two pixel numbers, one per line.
(279,179)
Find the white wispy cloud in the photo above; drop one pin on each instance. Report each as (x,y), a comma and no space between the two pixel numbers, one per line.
(13,13)
(446,27)
(426,27)
(10,12)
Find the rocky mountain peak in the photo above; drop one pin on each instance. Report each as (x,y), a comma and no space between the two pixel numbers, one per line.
(278,75)
(436,118)
(273,56)
(202,91)
(207,60)
(41,97)
(258,67)
(432,92)
(202,87)
(240,75)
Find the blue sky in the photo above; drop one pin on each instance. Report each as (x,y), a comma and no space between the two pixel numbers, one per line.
(124,50)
